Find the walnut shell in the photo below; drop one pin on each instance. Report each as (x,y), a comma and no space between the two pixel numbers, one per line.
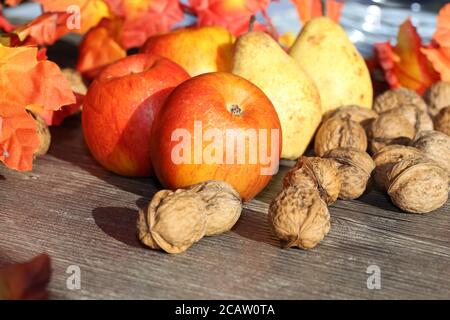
(395,98)
(299,217)
(43,134)
(355,168)
(173,221)
(223,205)
(437,96)
(436,146)
(339,132)
(386,158)
(391,127)
(420,119)
(356,113)
(442,121)
(315,173)
(75,80)
(418,185)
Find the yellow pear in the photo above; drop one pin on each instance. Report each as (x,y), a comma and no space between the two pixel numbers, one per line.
(260,59)
(325,52)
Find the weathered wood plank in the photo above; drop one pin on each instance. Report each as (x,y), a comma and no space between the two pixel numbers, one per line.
(82,215)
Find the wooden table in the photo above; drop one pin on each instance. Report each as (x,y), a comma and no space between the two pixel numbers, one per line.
(82,215)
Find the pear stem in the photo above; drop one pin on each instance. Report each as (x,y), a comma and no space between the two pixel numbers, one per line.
(252,23)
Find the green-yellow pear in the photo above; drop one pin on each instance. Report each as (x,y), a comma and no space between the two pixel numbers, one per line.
(325,52)
(260,59)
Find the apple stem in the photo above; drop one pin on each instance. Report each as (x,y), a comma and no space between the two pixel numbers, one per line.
(324,8)
(252,23)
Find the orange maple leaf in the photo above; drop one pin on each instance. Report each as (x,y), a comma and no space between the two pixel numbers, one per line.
(24,81)
(232,14)
(308,9)
(144,18)
(438,53)
(100,48)
(91,11)
(26,281)
(405,65)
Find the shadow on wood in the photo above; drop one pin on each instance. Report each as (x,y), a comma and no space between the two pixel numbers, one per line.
(119,223)
(254,226)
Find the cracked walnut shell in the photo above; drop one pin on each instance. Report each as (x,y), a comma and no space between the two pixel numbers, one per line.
(418,185)
(388,157)
(437,96)
(315,173)
(339,132)
(442,121)
(395,98)
(355,168)
(223,205)
(173,221)
(299,217)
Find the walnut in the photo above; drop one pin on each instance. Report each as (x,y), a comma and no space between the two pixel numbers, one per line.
(363,116)
(437,96)
(339,132)
(299,217)
(391,127)
(173,221)
(418,185)
(395,98)
(315,173)
(442,121)
(75,80)
(436,146)
(223,205)
(386,158)
(355,168)
(43,134)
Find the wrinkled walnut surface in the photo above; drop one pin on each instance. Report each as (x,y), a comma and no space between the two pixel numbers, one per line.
(339,132)
(386,158)
(436,146)
(315,173)
(355,168)
(223,205)
(437,97)
(394,98)
(299,217)
(442,121)
(391,127)
(418,185)
(173,221)
(43,134)
(356,113)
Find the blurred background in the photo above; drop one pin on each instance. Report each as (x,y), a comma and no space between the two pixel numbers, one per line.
(366,22)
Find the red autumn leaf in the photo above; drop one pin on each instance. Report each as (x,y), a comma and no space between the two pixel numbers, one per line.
(26,281)
(55,118)
(99,48)
(26,81)
(91,11)
(308,9)
(18,138)
(438,53)
(144,18)
(44,30)
(231,14)
(405,65)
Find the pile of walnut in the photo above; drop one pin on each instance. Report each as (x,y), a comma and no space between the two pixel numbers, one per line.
(175,220)
(410,161)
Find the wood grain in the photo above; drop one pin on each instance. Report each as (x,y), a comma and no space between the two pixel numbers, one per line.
(83,215)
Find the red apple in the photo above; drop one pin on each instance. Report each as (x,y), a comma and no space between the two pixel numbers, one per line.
(120,107)
(196,135)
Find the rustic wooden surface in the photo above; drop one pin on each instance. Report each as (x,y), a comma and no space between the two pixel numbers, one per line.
(83,215)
